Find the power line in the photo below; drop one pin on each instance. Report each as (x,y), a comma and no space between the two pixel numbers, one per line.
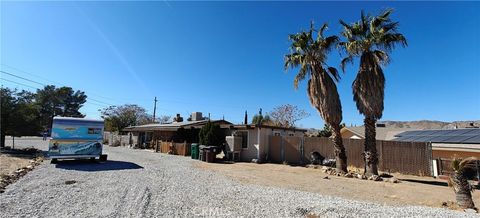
(18,83)
(42,84)
(22,84)
(22,78)
(51,81)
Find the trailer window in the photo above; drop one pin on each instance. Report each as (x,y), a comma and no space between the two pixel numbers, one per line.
(94,130)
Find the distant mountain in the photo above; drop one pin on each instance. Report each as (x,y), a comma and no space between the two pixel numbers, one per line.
(430,124)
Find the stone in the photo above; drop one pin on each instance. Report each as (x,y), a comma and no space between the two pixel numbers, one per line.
(469,210)
(393,180)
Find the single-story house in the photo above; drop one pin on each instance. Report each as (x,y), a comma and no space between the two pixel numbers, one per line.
(176,131)
(447,143)
(252,141)
(382,132)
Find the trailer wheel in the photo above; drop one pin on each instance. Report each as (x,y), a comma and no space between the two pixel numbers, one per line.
(103,157)
(54,161)
(92,159)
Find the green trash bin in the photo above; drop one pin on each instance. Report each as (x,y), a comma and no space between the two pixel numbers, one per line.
(194,151)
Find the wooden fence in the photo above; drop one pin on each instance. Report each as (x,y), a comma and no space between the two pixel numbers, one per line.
(175,148)
(394,156)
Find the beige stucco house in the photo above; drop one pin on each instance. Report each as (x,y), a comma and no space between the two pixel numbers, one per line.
(252,141)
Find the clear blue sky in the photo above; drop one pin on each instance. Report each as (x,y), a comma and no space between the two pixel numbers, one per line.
(227,57)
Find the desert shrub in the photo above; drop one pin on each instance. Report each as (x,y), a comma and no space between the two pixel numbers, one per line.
(115,143)
(211,135)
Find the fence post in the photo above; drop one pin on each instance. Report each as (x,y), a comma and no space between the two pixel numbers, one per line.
(381,164)
(282,150)
(302,150)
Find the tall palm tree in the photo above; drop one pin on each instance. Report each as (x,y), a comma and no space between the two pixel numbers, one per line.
(371,38)
(458,181)
(310,56)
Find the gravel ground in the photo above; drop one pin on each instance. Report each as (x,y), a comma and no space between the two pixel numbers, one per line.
(140,183)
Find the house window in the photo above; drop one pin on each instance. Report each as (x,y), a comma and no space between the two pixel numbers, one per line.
(291,134)
(94,131)
(244,135)
(276,134)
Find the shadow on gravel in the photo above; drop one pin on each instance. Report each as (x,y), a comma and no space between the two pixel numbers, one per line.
(439,183)
(87,165)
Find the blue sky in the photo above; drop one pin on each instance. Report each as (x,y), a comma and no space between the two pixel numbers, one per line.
(227,57)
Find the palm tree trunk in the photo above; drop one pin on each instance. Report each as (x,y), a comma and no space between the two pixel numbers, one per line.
(370,153)
(462,189)
(340,154)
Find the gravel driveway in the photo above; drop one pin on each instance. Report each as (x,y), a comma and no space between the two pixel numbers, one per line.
(140,183)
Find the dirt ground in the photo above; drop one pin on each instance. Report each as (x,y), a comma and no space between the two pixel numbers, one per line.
(11,163)
(412,190)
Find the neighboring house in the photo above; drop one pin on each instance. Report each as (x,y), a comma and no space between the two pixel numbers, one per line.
(450,143)
(382,132)
(252,141)
(175,131)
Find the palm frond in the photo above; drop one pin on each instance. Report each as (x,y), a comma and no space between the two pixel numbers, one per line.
(322,29)
(333,72)
(345,61)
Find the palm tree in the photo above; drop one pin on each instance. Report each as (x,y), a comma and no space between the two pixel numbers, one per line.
(310,56)
(372,39)
(458,181)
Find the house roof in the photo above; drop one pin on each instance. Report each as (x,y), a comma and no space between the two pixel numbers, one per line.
(173,126)
(382,133)
(452,136)
(253,126)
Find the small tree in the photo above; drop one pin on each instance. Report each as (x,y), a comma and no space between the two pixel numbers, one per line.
(164,119)
(211,135)
(287,115)
(119,117)
(325,132)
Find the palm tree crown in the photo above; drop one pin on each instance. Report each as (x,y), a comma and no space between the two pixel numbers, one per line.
(310,54)
(372,38)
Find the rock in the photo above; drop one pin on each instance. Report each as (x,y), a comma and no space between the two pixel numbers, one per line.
(326,177)
(20,171)
(375,178)
(348,175)
(325,168)
(469,210)
(69,182)
(392,180)
(29,167)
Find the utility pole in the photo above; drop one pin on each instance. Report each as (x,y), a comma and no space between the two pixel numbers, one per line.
(154,108)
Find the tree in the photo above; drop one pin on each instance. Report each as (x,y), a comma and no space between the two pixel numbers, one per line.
(61,101)
(371,38)
(7,107)
(325,132)
(310,54)
(118,117)
(459,182)
(287,115)
(259,119)
(211,134)
(19,114)
(164,119)
(263,120)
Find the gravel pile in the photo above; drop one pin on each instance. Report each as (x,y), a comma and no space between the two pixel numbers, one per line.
(138,183)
